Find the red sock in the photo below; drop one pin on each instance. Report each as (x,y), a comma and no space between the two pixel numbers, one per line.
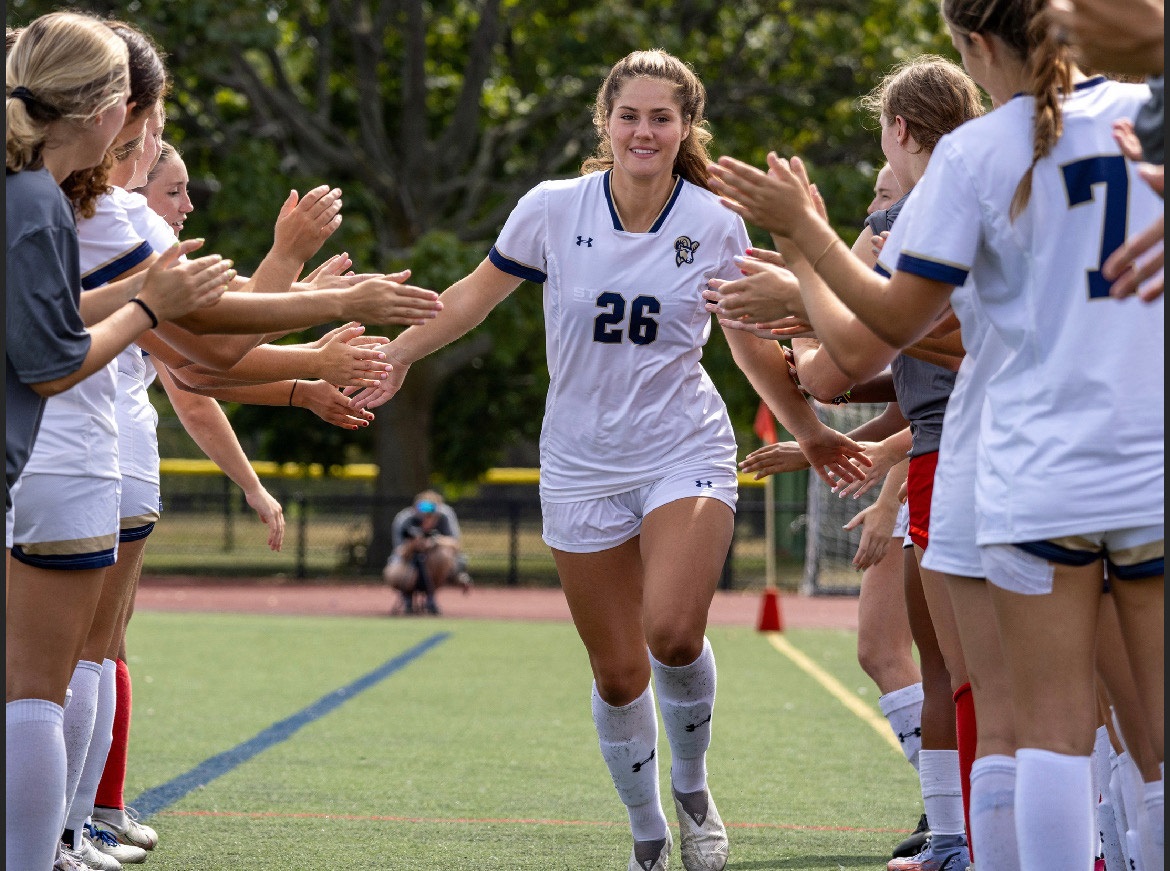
(966,735)
(109,792)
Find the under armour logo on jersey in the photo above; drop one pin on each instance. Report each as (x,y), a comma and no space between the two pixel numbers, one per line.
(638,765)
(916,732)
(581,240)
(701,484)
(693,726)
(684,250)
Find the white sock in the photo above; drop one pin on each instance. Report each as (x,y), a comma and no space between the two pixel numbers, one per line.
(1156,823)
(629,739)
(1117,798)
(993,812)
(1101,769)
(34,779)
(99,749)
(1110,837)
(79,720)
(903,708)
(686,699)
(1054,810)
(1134,794)
(942,791)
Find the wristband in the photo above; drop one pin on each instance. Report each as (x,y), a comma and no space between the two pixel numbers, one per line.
(150,314)
(291,392)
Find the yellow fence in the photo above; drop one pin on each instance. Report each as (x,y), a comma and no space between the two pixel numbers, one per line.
(360,472)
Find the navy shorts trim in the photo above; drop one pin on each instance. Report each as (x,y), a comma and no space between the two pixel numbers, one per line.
(136,534)
(1063,556)
(1139,571)
(74,562)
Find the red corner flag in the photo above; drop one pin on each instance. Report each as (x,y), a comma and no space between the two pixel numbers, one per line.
(765,425)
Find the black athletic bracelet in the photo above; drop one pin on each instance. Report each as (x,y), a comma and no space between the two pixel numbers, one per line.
(149,313)
(293,391)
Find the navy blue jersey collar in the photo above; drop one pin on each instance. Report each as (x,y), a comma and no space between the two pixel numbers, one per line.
(1090,82)
(658,222)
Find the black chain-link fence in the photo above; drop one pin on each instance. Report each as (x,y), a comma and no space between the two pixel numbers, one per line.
(208,529)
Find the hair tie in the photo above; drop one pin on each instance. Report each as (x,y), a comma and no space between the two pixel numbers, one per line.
(31,103)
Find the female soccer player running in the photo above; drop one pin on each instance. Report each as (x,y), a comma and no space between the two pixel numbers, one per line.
(638,477)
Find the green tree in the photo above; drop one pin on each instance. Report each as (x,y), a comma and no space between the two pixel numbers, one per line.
(435,117)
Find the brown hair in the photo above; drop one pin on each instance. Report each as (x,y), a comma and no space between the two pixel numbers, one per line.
(166,153)
(149,82)
(692,159)
(932,94)
(1023,25)
(64,66)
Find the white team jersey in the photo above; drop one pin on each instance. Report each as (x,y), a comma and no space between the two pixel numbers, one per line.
(137,417)
(625,326)
(953,547)
(1071,437)
(79,433)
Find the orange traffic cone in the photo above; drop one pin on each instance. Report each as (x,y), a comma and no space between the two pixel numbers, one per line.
(770,618)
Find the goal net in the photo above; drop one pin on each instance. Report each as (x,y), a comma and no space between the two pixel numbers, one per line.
(829,549)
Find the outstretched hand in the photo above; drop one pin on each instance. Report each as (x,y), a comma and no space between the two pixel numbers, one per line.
(331,405)
(778,200)
(304,223)
(767,296)
(344,360)
(383,392)
(172,287)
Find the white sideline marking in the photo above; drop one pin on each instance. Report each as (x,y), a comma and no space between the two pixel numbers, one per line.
(836,689)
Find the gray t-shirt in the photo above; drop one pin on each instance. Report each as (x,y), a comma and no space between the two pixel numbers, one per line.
(923,390)
(45,338)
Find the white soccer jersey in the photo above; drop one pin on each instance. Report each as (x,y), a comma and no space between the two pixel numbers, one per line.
(137,417)
(625,326)
(1071,438)
(953,547)
(79,434)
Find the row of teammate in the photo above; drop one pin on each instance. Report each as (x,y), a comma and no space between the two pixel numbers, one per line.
(101,301)
(1026,508)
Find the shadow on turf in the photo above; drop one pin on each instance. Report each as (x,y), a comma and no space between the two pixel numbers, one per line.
(802,862)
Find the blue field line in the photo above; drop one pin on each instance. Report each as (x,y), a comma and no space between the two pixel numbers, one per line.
(161,797)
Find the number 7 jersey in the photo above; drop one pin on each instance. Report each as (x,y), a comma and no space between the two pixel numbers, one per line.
(1072,437)
(625,326)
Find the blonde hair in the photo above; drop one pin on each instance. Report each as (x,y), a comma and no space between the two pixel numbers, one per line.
(1023,25)
(64,66)
(931,94)
(692,159)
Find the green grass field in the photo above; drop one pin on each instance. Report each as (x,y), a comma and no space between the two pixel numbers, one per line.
(479,753)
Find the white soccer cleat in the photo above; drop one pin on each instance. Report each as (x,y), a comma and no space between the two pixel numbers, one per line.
(104,842)
(651,855)
(125,826)
(702,837)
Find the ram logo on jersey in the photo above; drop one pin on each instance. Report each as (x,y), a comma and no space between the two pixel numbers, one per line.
(684,250)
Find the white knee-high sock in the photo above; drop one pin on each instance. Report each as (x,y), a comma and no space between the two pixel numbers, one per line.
(903,709)
(942,791)
(1054,810)
(79,720)
(993,812)
(686,698)
(1155,808)
(99,748)
(1117,796)
(629,740)
(1137,826)
(34,776)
